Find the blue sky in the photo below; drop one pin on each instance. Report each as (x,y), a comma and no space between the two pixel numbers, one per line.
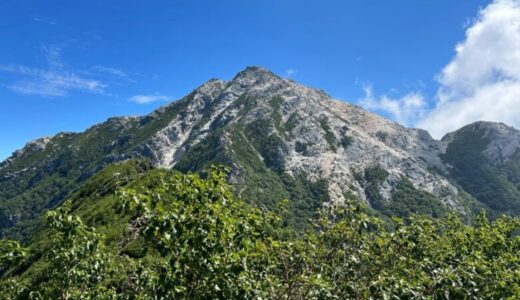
(66,65)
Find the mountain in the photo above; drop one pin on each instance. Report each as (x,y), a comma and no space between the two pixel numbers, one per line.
(280,140)
(484,159)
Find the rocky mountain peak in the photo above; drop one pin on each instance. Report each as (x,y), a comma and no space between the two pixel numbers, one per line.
(280,138)
(256,78)
(295,130)
(494,129)
(485,128)
(211,86)
(498,142)
(35,145)
(254,73)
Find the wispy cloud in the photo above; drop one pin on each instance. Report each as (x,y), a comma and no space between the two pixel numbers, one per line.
(53,56)
(405,110)
(146,99)
(49,21)
(57,80)
(110,71)
(290,72)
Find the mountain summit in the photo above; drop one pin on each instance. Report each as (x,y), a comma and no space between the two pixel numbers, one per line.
(281,140)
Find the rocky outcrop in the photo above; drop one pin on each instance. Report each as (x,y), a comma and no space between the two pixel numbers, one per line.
(325,138)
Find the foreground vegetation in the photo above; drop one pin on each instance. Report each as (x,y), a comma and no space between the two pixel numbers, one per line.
(159,234)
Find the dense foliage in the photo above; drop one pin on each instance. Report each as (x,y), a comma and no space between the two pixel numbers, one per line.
(164,235)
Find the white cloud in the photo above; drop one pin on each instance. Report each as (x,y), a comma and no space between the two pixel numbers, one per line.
(482,81)
(53,56)
(54,81)
(290,72)
(146,99)
(110,71)
(50,82)
(405,110)
(48,21)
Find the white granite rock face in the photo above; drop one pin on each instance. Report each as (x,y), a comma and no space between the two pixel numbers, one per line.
(32,146)
(375,141)
(505,141)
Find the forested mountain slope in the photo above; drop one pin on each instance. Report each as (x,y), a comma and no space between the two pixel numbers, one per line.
(134,232)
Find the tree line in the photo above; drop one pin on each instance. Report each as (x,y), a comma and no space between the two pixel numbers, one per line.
(203,242)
